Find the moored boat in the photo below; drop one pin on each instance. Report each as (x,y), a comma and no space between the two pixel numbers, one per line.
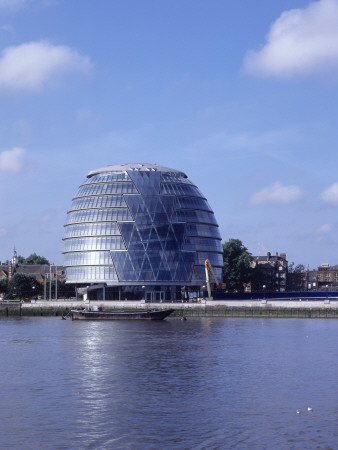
(150,314)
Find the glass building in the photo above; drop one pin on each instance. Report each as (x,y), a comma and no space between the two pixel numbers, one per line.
(140,231)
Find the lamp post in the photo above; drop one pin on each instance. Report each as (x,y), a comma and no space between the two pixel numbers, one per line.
(44,285)
(50,281)
(56,282)
(264,287)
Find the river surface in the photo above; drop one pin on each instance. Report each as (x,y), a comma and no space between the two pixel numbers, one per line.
(207,383)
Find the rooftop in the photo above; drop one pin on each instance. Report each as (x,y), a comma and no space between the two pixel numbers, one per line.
(135,167)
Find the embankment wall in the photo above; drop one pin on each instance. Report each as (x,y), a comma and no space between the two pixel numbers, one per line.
(327,308)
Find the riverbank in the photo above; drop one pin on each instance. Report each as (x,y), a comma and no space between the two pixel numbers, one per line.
(300,308)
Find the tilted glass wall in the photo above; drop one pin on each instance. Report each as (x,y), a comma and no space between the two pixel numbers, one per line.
(140,226)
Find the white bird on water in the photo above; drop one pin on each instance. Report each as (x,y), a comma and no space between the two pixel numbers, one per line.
(298,412)
(310,409)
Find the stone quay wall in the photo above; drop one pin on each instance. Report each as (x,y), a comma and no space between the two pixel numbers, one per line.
(323,308)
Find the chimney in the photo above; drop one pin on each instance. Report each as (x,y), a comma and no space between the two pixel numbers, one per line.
(268,255)
(283,255)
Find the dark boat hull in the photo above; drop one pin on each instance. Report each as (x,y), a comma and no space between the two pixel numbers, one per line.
(121,315)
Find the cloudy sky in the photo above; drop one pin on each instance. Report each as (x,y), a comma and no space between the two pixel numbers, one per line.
(241,95)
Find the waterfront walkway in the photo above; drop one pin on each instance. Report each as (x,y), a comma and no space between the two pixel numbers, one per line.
(304,303)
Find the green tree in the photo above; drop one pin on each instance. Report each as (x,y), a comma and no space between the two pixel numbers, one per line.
(3,286)
(295,277)
(35,259)
(237,265)
(23,285)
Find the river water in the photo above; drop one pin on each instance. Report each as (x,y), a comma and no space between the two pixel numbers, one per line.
(207,383)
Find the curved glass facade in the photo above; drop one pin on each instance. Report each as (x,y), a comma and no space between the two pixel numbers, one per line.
(140,225)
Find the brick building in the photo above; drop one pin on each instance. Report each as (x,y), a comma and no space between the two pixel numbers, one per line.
(270,272)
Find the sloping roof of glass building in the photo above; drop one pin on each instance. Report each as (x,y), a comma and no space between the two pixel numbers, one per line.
(140,224)
(135,167)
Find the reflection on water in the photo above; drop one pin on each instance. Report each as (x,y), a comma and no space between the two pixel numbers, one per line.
(203,383)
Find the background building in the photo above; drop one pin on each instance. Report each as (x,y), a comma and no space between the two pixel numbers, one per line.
(270,272)
(140,231)
(39,271)
(324,278)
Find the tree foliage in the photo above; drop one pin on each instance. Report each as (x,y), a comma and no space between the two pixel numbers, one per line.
(295,277)
(23,285)
(3,286)
(35,259)
(237,265)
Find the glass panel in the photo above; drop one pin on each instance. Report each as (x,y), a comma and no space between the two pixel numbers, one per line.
(103,201)
(135,241)
(91,229)
(179,233)
(124,266)
(87,258)
(154,243)
(175,178)
(107,178)
(144,232)
(185,266)
(186,215)
(107,188)
(199,274)
(216,259)
(206,244)
(146,273)
(192,203)
(196,229)
(137,257)
(135,204)
(91,273)
(94,243)
(180,189)
(147,183)
(97,215)
(126,231)
(155,261)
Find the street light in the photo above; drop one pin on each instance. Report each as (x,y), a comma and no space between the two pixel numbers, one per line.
(50,282)
(264,287)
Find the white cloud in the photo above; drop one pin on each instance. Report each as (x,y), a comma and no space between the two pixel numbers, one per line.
(299,42)
(15,5)
(330,195)
(29,66)
(12,160)
(277,194)
(12,4)
(324,229)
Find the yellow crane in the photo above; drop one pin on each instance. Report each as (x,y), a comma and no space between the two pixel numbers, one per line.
(263,248)
(208,271)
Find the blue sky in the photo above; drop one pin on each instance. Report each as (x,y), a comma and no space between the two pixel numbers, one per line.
(240,95)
